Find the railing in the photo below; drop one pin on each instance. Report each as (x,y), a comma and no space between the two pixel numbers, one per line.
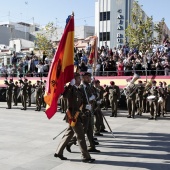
(98,73)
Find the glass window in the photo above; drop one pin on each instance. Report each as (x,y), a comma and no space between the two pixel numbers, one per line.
(104,16)
(104,36)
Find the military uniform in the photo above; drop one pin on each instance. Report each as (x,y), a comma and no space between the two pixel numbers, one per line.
(75,100)
(29,90)
(165,95)
(43,93)
(15,93)
(88,98)
(38,95)
(130,92)
(114,96)
(99,124)
(9,89)
(153,103)
(139,97)
(161,100)
(105,97)
(24,86)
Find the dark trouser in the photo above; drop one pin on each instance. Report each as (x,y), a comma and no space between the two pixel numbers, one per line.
(9,100)
(88,128)
(146,106)
(78,130)
(140,105)
(29,100)
(131,106)
(24,100)
(113,103)
(15,98)
(153,108)
(38,102)
(63,105)
(106,102)
(97,121)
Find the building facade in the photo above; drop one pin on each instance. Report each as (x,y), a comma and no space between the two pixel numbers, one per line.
(111,19)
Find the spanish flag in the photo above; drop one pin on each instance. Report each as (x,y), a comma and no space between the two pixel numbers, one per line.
(61,70)
(94,50)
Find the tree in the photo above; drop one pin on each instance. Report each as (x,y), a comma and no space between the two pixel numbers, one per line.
(43,40)
(140,31)
(159,28)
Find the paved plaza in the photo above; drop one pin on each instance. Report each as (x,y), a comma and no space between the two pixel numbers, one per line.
(26,143)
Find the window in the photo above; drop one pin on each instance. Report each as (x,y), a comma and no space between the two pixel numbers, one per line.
(8,61)
(104,36)
(104,16)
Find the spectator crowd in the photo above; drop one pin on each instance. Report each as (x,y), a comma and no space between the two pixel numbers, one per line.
(123,61)
(29,66)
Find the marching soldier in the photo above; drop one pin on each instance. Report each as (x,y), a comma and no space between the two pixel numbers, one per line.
(105,97)
(75,101)
(9,89)
(114,96)
(24,86)
(38,95)
(161,100)
(15,93)
(165,96)
(88,98)
(146,107)
(99,124)
(43,93)
(153,102)
(139,97)
(29,90)
(131,98)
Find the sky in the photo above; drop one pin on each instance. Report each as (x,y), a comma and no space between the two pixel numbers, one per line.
(44,11)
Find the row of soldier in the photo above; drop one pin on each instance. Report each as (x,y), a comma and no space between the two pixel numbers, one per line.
(146,97)
(24,89)
(137,98)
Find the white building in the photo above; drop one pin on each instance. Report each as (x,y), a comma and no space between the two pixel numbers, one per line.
(111,19)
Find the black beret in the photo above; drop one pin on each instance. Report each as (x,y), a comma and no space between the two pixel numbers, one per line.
(86,74)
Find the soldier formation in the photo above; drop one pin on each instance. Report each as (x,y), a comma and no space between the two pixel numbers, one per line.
(24,91)
(83,101)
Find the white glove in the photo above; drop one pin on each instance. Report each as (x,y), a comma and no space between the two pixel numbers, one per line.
(72,82)
(99,102)
(92,98)
(88,107)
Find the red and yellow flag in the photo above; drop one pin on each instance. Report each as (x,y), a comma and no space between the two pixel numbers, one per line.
(61,70)
(93,52)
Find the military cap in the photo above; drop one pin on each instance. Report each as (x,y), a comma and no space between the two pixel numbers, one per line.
(112,83)
(164,82)
(76,75)
(38,80)
(160,82)
(154,82)
(10,79)
(104,85)
(96,81)
(25,79)
(86,74)
(139,81)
